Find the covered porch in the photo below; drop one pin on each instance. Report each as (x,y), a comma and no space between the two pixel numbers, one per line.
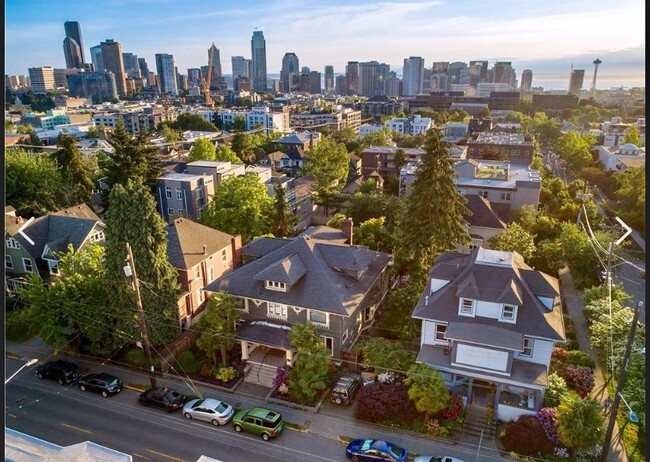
(265,347)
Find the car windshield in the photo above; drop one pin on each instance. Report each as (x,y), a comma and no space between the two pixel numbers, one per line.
(172,395)
(221,408)
(395,450)
(197,404)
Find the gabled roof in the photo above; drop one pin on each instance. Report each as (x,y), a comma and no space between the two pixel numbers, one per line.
(288,271)
(297,138)
(321,287)
(483,214)
(296,153)
(189,243)
(495,277)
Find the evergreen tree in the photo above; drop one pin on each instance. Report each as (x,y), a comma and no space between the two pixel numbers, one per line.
(427,389)
(72,165)
(434,217)
(281,219)
(217,326)
(133,218)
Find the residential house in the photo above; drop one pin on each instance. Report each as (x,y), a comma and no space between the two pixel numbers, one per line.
(35,245)
(304,140)
(337,287)
(200,255)
(487,220)
(219,170)
(489,325)
(618,159)
(183,194)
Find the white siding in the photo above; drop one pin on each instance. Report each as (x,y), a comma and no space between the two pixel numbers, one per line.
(487,309)
(482,357)
(437,284)
(428,333)
(542,350)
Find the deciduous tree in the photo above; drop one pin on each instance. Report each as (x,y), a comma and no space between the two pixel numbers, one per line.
(203,149)
(217,326)
(515,238)
(328,163)
(307,378)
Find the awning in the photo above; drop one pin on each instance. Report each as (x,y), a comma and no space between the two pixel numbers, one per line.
(273,334)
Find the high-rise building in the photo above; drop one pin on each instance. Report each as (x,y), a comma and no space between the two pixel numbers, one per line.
(42,79)
(478,72)
(96,58)
(502,72)
(258,53)
(393,85)
(413,76)
(239,67)
(94,85)
(216,61)
(576,82)
(329,80)
(290,66)
(73,31)
(166,73)
(458,73)
(315,83)
(144,69)
(72,53)
(112,60)
(340,85)
(372,76)
(352,78)
(61,76)
(194,77)
(131,65)
(439,75)
(526,80)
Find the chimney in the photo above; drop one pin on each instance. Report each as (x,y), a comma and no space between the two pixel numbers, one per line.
(205,248)
(346,227)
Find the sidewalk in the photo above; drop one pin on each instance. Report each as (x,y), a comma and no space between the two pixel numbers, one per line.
(575,306)
(330,422)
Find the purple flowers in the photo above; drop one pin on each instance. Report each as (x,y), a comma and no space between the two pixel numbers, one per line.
(547,417)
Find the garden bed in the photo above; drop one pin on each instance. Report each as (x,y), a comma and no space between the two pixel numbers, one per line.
(275,397)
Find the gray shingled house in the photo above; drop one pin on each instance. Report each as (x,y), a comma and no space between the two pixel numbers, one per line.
(489,325)
(336,286)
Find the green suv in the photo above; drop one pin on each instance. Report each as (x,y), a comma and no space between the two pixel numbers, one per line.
(259,421)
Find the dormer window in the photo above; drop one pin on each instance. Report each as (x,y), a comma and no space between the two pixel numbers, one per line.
(466,307)
(508,313)
(274,285)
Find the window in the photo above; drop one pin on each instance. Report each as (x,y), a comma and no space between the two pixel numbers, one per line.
(170,212)
(274,285)
(54,267)
(210,274)
(181,212)
(508,313)
(467,306)
(528,347)
(441,331)
(197,272)
(13,243)
(98,236)
(276,310)
(179,194)
(483,194)
(9,263)
(224,255)
(27,264)
(168,192)
(318,317)
(506,196)
(329,344)
(199,295)
(344,338)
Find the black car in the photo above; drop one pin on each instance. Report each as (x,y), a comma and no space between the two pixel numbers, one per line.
(61,370)
(106,384)
(163,397)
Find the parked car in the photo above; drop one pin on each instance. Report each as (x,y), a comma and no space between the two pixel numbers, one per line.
(103,383)
(374,450)
(163,397)
(208,409)
(258,421)
(61,370)
(436,459)
(346,388)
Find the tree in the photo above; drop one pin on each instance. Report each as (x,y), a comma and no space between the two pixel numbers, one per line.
(203,149)
(133,218)
(244,145)
(281,219)
(192,122)
(515,238)
(171,135)
(217,326)
(71,163)
(580,423)
(427,389)
(575,149)
(434,217)
(400,159)
(373,234)
(336,221)
(380,138)
(225,154)
(93,132)
(631,193)
(363,207)
(307,378)
(386,355)
(632,136)
(241,206)
(328,162)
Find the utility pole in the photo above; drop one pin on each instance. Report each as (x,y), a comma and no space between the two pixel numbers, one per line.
(619,387)
(129,270)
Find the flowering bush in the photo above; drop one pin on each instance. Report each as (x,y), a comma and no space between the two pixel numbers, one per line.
(579,379)
(225,374)
(558,359)
(526,437)
(589,454)
(561,452)
(433,427)
(454,409)
(547,417)
(283,388)
(557,388)
(379,401)
(282,376)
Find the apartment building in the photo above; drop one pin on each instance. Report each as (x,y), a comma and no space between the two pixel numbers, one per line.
(183,195)
(513,147)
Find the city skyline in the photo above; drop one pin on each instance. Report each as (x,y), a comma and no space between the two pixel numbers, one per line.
(546,38)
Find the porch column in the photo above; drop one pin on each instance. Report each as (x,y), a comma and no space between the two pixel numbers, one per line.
(244,349)
(469,391)
(497,395)
(289,357)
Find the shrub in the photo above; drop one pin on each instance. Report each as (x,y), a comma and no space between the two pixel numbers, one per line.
(454,409)
(225,374)
(135,357)
(580,358)
(282,376)
(379,401)
(188,363)
(547,417)
(526,437)
(558,359)
(579,379)
(557,388)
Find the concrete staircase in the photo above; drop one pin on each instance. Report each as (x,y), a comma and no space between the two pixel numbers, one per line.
(261,374)
(477,420)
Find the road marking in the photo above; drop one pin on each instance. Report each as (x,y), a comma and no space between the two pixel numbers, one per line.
(12,415)
(140,456)
(164,455)
(77,428)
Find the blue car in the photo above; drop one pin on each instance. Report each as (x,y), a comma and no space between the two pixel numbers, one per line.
(374,450)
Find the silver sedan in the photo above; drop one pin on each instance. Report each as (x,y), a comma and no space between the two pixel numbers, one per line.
(211,410)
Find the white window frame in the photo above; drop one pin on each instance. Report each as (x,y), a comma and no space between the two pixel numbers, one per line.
(98,236)
(179,194)
(13,243)
(344,337)
(438,330)
(210,274)
(310,313)
(9,263)
(274,285)
(483,193)
(511,317)
(529,344)
(197,271)
(276,310)
(331,342)
(199,295)
(506,196)
(462,307)
(168,192)
(224,255)
(28,262)
(53,266)
(170,212)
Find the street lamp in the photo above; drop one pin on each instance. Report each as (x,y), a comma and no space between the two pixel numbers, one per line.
(28,363)
(632,416)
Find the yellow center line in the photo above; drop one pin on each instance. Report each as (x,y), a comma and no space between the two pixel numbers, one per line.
(164,455)
(77,428)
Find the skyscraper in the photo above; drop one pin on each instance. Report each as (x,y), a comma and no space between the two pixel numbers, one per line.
(144,69)
(576,82)
(502,72)
(113,61)
(258,53)
(216,61)
(96,57)
(413,76)
(329,80)
(239,67)
(315,83)
(290,66)
(131,65)
(73,32)
(458,73)
(526,80)
(166,73)
(371,78)
(478,71)
(352,78)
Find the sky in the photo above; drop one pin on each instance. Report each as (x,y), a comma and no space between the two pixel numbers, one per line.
(547,37)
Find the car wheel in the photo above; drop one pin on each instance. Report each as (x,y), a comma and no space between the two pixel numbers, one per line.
(40,376)
(105,394)
(265,436)
(61,382)
(188,415)
(238,428)
(355,459)
(215,422)
(82,387)
(338,401)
